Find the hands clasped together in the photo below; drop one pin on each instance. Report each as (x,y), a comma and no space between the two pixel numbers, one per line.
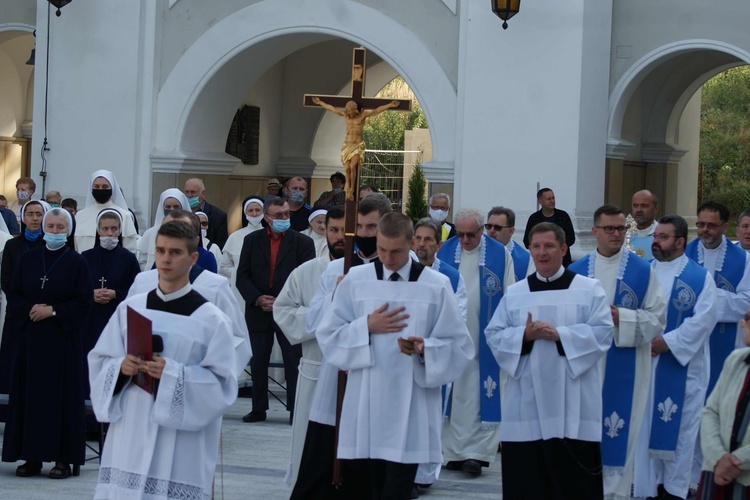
(384,321)
(536,330)
(131,365)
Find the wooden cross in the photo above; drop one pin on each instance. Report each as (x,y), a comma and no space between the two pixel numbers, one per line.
(102,280)
(351,203)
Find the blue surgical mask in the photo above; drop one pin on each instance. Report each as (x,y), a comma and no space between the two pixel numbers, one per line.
(166,212)
(336,190)
(297,196)
(54,205)
(55,241)
(281,226)
(194,201)
(32,235)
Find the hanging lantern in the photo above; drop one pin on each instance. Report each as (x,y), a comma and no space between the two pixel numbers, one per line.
(59,4)
(505,9)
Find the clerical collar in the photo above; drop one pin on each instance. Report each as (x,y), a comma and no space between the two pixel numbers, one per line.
(366,260)
(403,273)
(677,262)
(551,278)
(166,297)
(609,259)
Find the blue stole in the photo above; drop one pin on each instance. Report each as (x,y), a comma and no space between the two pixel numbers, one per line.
(671,377)
(491,273)
(729,271)
(451,272)
(521,258)
(619,378)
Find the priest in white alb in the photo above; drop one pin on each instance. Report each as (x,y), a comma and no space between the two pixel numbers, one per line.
(679,368)
(290,313)
(549,334)
(164,445)
(395,327)
(639,314)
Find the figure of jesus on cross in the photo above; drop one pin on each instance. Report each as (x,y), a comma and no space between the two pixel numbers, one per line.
(357,109)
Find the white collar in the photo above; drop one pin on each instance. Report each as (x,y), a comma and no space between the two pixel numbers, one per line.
(166,297)
(553,277)
(403,272)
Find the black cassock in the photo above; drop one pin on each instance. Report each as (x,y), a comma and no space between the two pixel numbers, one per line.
(46,408)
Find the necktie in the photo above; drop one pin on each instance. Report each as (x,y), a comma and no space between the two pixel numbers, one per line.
(394,277)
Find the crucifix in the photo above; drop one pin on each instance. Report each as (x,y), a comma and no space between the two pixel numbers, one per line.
(102,280)
(44,280)
(357,109)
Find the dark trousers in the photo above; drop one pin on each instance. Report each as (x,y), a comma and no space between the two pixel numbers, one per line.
(262,343)
(387,480)
(552,469)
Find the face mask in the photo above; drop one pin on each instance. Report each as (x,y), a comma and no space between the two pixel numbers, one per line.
(254,220)
(439,215)
(101,195)
(55,241)
(54,205)
(368,246)
(203,233)
(281,226)
(297,196)
(337,190)
(194,201)
(108,242)
(166,212)
(23,195)
(32,235)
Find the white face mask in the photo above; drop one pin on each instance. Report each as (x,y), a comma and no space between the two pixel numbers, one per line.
(203,233)
(254,220)
(108,242)
(439,215)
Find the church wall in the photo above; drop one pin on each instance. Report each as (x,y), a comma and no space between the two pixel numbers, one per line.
(11,97)
(21,12)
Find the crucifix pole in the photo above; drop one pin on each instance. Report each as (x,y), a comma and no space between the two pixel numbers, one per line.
(357,108)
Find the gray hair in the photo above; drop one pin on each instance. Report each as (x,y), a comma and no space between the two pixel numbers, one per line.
(510,216)
(199,181)
(469,213)
(440,195)
(430,222)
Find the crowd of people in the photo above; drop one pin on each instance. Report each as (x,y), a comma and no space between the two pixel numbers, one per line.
(620,374)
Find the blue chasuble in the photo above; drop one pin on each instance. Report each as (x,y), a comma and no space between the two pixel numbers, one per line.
(619,378)
(491,275)
(451,272)
(521,258)
(730,267)
(671,377)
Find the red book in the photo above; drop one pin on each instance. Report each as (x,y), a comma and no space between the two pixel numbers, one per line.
(141,345)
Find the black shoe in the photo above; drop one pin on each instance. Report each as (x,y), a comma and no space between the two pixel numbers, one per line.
(414,492)
(29,469)
(254,416)
(424,486)
(60,471)
(455,465)
(472,467)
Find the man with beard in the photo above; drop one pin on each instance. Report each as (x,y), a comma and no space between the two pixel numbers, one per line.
(679,368)
(314,480)
(645,205)
(290,313)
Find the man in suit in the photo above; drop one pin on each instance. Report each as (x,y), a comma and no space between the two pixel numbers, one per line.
(217,232)
(267,259)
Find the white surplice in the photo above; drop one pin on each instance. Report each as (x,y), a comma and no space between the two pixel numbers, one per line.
(230,258)
(547,395)
(214,289)
(636,329)
(167,446)
(290,313)
(320,240)
(86,227)
(392,405)
(464,437)
(689,345)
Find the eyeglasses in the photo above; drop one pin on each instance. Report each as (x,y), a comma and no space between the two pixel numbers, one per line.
(496,227)
(662,237)
(280,216)
(470,236)
(708,225)
(612,229)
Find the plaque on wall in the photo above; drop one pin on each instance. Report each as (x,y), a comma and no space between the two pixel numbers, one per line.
(243,138)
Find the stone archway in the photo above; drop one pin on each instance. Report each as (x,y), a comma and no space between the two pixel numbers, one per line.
(654,122)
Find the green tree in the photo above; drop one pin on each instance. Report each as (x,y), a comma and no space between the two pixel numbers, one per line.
(386,130)
(416,208)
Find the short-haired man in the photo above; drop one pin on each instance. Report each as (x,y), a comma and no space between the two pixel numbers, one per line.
(666,443)
(390,419)
(729,265)
(25,189)
(440,206)
(501,225)
(298,209)
(645,206)
(266,261)
(217,232)
(316,465)
(549,334)
(548,213)
(743,230)
(472,431)
(638,312)
(366,189)
(290,313)
(171,436)
(336,196)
